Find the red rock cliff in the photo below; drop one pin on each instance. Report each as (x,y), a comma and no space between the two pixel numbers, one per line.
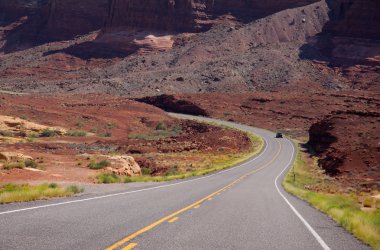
(354,18)
(190,15)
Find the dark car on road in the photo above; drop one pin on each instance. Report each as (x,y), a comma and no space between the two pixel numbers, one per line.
(279,135)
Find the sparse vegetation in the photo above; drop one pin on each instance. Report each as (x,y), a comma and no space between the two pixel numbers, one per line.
(111,125)
(343,208)
(31,137)
(74,189)
(161,126)
(145,171)
(99,165)
(76,133)
(49,133)
(20,164)
(79,124)
(108,178)
(20,193)
(12,165)
(217,163)
(30,163)
(161,132)
(106,134)
(5,133)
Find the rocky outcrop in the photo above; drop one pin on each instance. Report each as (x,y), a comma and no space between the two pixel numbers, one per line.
(171,104)
(354,18)
(39,21)
(69,18)
(124,165)
(346,142)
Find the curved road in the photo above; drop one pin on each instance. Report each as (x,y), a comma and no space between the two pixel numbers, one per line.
(243,207)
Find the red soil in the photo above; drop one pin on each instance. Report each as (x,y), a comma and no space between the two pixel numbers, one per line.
(353,118)
(65,158)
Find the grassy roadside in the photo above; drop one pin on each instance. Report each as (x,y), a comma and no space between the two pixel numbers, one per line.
(23,192)
(308,182)
(218,163)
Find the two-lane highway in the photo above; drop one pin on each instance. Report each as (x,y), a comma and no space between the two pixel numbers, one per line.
(243,207)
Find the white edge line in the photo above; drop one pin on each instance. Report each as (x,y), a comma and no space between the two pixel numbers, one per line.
(312,231)
(140,190)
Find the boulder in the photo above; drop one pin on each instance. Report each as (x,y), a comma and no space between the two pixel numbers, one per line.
(124,165)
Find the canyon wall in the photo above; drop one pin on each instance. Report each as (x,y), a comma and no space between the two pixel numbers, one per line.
(354,18)
(190,15)
(64,19)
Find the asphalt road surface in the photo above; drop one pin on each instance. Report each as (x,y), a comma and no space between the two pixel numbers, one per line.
(243,207)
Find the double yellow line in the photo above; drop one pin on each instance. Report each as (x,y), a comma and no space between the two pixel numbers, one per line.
(158,222)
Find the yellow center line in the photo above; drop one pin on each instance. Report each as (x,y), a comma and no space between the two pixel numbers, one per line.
(197,206)
(160,221)
(172,220)
(130,246)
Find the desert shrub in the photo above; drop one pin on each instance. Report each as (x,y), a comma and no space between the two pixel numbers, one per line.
(177,129)
(145,171)
(80,124)
(53,185)
(48,133)
(31,137)
(76,133)
(172,171)
(5,133)
(99,165)
(106,134)
(108,178)
(161,126)
(367,202)
(30,163)
(111,125)
(74,189)
(12,165)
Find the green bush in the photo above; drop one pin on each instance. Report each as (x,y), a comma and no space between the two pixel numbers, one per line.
(161,126)
(5,133)
(99,165)
(108,178)
(76,133)
(111,125)
(177,129)
(12,165)
(146,171)
(30,163)
(74,189)
(172,171)
(53,185)
(49,133)
(106,134)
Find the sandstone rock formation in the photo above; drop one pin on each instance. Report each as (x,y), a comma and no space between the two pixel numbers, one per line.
(14,157)
(124,165)
(354,18)
(190,15)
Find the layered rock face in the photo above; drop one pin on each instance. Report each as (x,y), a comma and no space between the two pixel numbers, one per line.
(190,15)
(354,18)
(49,20)
(68,18)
